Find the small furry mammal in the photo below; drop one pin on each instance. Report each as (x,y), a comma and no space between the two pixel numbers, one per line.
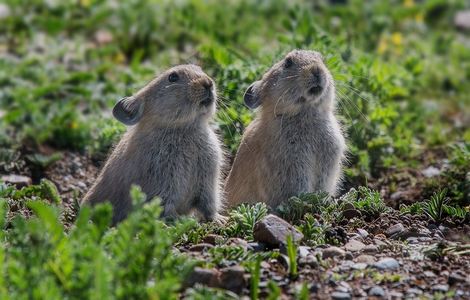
(295,144)
(171,152)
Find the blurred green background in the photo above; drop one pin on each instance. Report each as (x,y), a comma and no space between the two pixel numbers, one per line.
(402,70)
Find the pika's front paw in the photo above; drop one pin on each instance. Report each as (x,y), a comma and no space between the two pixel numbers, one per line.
(219,219)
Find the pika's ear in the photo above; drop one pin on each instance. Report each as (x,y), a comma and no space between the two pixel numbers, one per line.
(128,110)
(251,97)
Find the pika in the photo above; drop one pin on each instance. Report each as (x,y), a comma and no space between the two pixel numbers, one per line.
(171,151)
(295,144)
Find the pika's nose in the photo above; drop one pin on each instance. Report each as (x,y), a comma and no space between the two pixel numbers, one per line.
(207,84)
(316,77)
(316,81)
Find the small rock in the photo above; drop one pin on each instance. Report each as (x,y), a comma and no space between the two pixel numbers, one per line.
(333,252)
(431,172)
(354,246)
(257,247)
(232,279)
(213,239)
(336,233)
(238,242)
(380,244)
(407,234)
(203,276)
(395,230)
(462,20)
(314,288)
(340,296)
(348,256)
(17,180)
(345,266)
(380,236)
(455,278)
(344,287)
(351,213)
(359,266)
(377,291)
(414,291)
(273,231)
(265,265)
(387,263)
(440,288)
(371,249)
(284,261)
(304,251)
(81,185)
(397,195)
(395,295)
(201,247)
(310,261)
(362,232)
(429,274)
(364,258)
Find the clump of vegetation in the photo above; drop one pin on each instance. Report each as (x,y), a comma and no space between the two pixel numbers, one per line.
(456,178)
(292,255)
(224,255)
(365,200)
(133,260)
(437,209)
(243,219)
(297,207)
(255,270)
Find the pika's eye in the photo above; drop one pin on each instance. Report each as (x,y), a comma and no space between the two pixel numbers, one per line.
(173,77)
(288,63)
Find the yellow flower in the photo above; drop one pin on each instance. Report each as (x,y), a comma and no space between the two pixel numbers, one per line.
(85,3)
(419,18)
(119,58)
(409,3)
(397,38)
(382,46)
(73,125)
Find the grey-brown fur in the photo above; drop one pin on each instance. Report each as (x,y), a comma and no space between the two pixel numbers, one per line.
(295,144)
(171,152)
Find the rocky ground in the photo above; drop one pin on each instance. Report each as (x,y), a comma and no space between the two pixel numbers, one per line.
(392,256)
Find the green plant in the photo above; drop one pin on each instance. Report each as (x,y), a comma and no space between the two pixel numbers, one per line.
(416,208)
(133,260)
(366,200)
(274,291)
(292,254)
(295,208)
(255,271)
(437,208)
(243,219)
(434,207)
(313,231)
(224,255)
(200,292)
(302,293)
